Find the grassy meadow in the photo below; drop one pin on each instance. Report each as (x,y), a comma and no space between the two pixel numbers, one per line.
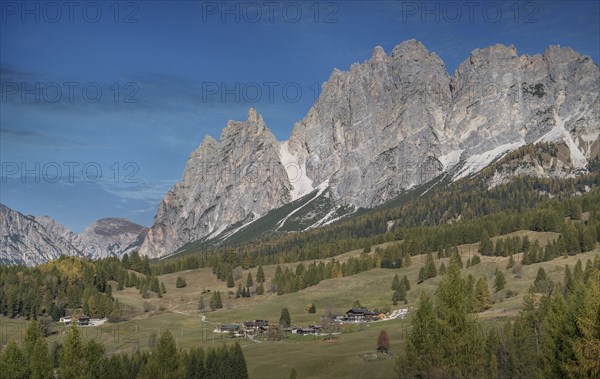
(349,354)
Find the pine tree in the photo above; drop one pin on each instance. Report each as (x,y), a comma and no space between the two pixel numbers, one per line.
(215,301)
(230,282)
(40,361)
(260,275)
(213,369)
(166,356)
(285,319)
(422,353)
(422,275)
(491,351)
(458,326)
(399,294)
(93,357)
(13,363)
(396,283)
(442,270)
(511,262)
(587,348)
(238,293)
(36,350)
(482,294)
(456,258)
(406,283)
(430,268)
(486,246)
(249,281)
(238,362)
(260,290)
(71,362)
(180,282)
(541,282)
(557,339)
(499,281)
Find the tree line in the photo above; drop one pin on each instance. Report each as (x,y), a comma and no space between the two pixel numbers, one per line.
(77,358)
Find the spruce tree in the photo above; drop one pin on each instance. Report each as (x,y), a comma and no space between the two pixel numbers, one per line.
(249,281)
(396,283)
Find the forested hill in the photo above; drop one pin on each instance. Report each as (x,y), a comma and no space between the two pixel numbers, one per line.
(445,214)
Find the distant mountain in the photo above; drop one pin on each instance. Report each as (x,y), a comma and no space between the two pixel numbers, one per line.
(33,240)
(25,241)
(384,127)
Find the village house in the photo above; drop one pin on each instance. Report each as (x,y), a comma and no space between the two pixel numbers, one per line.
(360,315)
(256,326)
(229,328)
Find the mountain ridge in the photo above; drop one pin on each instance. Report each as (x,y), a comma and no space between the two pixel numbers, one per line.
(32,240)
(385,126)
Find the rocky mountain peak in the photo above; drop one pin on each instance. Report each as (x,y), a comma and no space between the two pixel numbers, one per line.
(378,54)
(383,126)
(498,52)
(234,180)
(33,240)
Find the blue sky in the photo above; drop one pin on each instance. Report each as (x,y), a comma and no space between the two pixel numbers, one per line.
(101,104)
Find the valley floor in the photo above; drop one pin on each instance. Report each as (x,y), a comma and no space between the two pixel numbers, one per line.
(351,354)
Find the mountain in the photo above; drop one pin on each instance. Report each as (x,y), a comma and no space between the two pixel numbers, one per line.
(380,129)
(26,241)
(236,179)
(33,240)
